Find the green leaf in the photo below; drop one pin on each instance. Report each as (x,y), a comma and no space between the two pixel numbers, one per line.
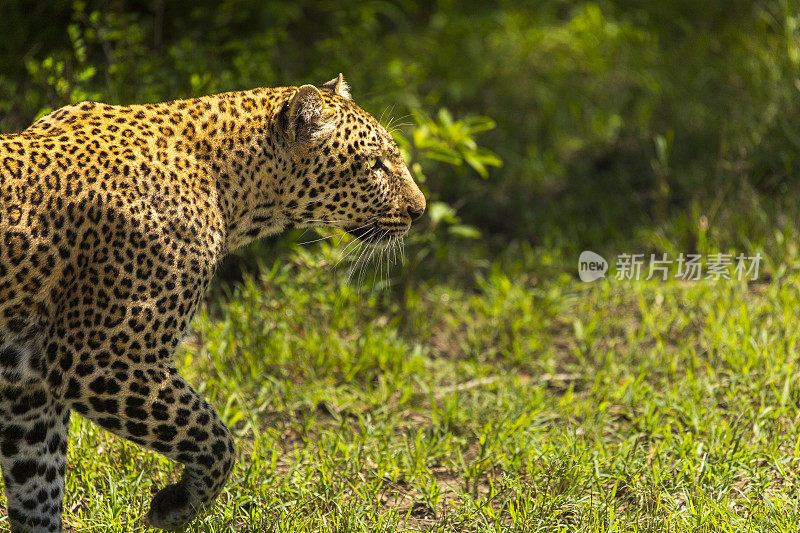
(476,165)
(417,173)
(444,116)
(427,143)
(445,155)
(479,124)
(464,231)
(442,212)
(487,157)
(401,140)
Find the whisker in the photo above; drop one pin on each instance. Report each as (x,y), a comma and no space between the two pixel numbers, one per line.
(317,240)
(385,109)
(352,266)
(343,255)
(338,221)
(342,221)
(394,121)
(355,240)
(400,125)
(364,265)
(304,232)
(390,108)
(360,275)
(377,276)
(366,241)
(341,238)
(389,260)
(362,271)
(386,255)
(377,255)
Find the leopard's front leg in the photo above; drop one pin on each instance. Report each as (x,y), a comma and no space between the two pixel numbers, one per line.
(153,406)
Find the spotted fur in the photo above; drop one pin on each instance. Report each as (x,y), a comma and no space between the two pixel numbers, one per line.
(113,220)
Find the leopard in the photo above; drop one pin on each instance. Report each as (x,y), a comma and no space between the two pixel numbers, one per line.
(114,220)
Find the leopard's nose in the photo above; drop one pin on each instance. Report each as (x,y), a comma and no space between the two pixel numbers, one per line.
(415,212)
(414,199)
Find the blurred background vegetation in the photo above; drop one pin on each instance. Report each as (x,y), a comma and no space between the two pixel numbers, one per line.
(558,125)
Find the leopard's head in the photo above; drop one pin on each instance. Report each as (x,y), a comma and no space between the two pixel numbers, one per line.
(349,170)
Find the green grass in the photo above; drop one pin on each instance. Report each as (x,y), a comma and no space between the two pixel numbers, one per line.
(518,400)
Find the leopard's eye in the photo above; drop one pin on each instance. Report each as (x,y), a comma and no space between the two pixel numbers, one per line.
(373,162)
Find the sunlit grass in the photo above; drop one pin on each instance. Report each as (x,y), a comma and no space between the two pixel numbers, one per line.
(512,404)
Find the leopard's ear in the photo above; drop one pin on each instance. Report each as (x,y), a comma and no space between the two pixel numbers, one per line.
(307,116)
(338,86)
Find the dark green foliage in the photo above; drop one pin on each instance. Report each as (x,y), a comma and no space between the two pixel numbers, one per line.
(626,110)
